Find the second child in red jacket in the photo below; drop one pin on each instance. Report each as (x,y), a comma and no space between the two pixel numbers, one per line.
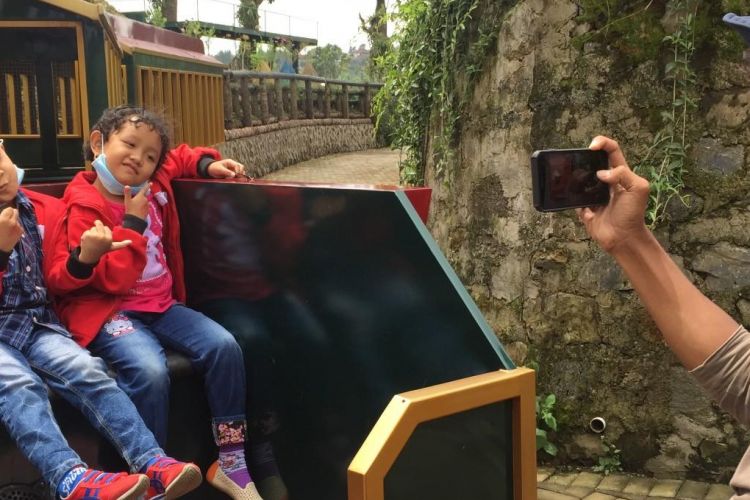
(128,305)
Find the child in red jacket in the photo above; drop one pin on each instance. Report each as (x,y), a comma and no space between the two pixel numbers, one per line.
(126,306)
(35,348)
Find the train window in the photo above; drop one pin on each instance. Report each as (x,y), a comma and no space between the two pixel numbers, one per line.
(65,79)
(19,102)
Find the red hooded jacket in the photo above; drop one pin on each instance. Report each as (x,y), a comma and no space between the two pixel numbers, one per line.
(84,305)
(49,214)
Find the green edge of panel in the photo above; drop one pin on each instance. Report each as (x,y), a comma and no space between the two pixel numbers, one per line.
(457,285)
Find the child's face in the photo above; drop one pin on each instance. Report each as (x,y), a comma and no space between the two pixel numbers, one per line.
(132,152)
(8,177)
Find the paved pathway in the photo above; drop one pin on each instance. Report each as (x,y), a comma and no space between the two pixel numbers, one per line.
(380,166)
(372,166)
(554,485)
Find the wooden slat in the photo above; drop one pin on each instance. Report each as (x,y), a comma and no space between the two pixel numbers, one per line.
(11,86)
(63,111)
(168,94)
(179,116)
(123,84)
(26,104)
(76,101)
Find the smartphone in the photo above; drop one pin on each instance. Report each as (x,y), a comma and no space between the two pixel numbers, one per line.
(566,178)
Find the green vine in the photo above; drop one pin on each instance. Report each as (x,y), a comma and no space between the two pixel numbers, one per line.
(665,161)
(420,93)
(611,461)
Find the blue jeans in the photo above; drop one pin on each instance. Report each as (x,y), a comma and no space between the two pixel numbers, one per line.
(131,343)
(80,379)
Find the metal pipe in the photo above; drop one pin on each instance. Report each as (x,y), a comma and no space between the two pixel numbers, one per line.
(597,425)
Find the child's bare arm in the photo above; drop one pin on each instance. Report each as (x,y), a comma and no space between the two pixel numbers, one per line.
(226,168)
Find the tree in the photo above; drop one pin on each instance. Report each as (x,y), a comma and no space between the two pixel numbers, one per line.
(247,16)
(224,56)
(376,28)
(328,60)
(247,13)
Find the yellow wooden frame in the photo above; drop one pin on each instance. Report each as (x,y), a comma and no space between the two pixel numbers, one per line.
(391,432)
(84,9)
(80,50)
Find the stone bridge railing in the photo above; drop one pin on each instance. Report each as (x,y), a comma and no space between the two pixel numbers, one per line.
(253,98)
(273,120)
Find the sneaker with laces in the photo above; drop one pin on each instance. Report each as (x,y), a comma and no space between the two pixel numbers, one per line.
(170,478)
(98,485)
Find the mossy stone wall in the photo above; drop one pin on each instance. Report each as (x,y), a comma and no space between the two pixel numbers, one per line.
(560,74)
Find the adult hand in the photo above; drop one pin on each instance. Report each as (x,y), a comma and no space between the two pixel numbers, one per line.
(10,229)
(622,219)
(97,241)
(225,168)
(137,205)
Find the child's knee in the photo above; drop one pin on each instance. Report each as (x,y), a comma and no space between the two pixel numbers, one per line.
(152,373)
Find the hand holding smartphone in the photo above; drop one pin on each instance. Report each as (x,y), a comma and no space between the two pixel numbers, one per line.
(566,178)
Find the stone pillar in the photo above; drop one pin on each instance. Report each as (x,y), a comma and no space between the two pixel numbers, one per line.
(308,100)
(247,119)
(228,122)
(293,99)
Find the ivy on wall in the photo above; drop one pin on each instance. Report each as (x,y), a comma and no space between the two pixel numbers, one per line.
(436,42)
(636,32)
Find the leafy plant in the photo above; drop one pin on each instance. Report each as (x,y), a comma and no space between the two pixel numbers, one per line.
(664,164)
(155,16)
(545,418)
(420,66)
(611,462)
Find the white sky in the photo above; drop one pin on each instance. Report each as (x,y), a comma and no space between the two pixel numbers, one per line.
(330,21)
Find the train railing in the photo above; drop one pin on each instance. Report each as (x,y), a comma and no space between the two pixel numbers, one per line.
(258,98)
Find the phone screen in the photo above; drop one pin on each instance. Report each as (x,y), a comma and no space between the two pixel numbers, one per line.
(566,178)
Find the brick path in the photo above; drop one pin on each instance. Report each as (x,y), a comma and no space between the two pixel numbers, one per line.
(380,166)
(554,485)
(373,166)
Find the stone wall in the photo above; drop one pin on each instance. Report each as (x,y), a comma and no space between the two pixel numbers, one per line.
(267,148)
(550,294)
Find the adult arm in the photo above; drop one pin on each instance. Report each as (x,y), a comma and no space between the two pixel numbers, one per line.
(692,325)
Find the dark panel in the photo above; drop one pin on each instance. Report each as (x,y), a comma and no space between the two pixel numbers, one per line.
(340,299)
(466,455)
(39,43)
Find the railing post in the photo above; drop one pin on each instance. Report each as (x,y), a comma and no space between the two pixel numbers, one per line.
(308,100)
(279,100)
(345,101)
(366,101)
(247,119)
(327,100)
(263,97)
(227,101)
(293,99)
(235,104)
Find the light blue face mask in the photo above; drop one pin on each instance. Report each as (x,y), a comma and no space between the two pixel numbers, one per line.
(19,173)
(108,180)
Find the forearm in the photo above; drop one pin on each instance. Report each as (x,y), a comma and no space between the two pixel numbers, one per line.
(692,325)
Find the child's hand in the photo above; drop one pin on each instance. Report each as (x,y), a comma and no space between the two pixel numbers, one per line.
(225,168)
(137,205)
(10,229)
(96,242)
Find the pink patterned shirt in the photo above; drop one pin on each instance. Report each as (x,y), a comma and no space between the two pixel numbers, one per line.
(153,290)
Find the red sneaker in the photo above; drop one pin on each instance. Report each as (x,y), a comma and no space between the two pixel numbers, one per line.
(98,485)
(172,479)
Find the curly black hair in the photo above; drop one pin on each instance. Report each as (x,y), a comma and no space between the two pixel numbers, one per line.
(113,119)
